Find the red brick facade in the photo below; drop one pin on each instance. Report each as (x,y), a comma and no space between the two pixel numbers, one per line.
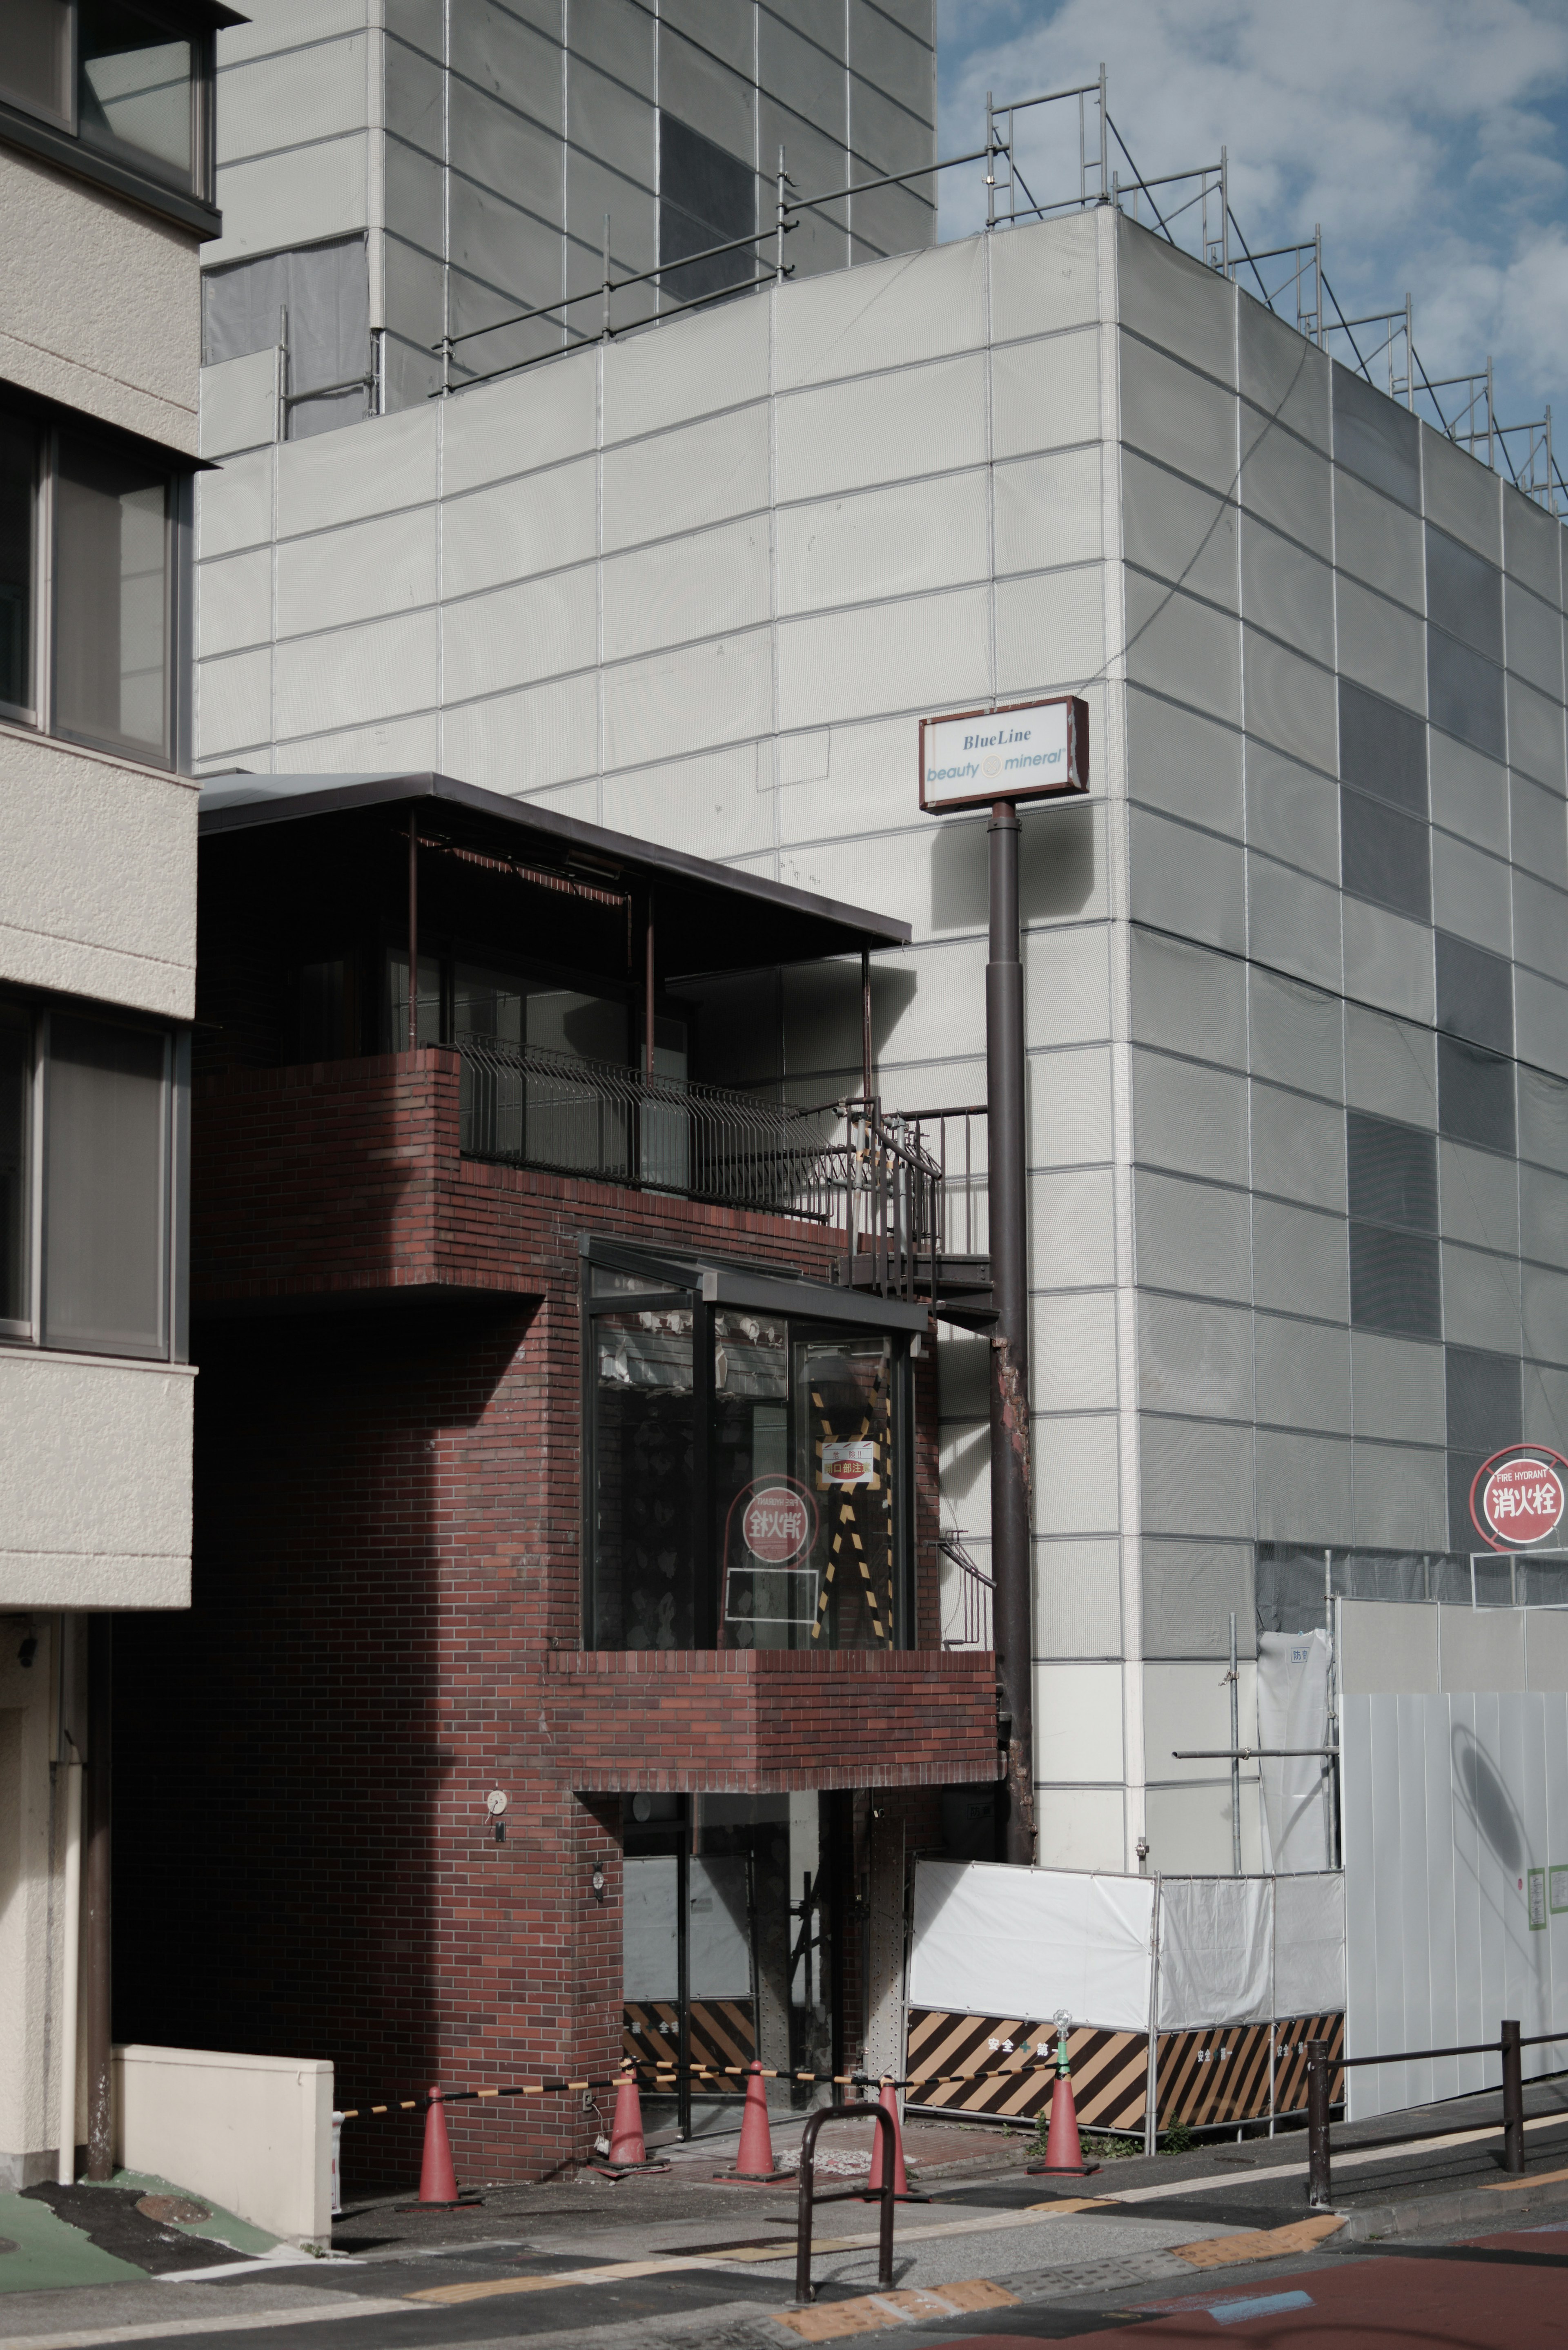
(388,1625)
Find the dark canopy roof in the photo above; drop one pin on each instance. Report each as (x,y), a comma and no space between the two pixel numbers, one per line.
(711,918)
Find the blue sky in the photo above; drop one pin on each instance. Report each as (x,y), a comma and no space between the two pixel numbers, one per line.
(1428,137)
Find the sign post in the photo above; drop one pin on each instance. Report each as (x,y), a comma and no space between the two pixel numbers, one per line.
(994,759)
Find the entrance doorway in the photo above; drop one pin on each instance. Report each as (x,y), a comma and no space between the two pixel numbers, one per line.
(728,1954)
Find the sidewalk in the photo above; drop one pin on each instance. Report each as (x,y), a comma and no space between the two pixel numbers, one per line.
(690,2261)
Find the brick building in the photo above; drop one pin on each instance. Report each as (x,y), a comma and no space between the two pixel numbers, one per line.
(500,1343)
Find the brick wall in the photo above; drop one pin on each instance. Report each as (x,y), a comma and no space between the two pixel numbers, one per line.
(387,1624)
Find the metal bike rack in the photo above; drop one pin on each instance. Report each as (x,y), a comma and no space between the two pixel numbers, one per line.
(810,2199)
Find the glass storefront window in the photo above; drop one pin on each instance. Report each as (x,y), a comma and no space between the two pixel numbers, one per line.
(746,1481)
(644,1430)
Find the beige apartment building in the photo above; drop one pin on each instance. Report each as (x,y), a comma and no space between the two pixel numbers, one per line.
(106,174)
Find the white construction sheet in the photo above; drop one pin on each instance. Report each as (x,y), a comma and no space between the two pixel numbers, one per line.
(1030,1943)
(1216,1950)
(1309,1945)
(1455,1883)
(1292,1712)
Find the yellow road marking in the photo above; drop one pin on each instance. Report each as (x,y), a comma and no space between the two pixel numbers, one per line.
(1258,2244)
(1512,2185)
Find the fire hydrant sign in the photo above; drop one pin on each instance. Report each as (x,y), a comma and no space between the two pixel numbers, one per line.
(1517,1497)
(849,1463)
(1023,751)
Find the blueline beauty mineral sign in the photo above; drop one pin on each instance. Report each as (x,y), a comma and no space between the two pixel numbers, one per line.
(1024,751)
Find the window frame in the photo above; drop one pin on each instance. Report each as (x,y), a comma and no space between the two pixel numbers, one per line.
(29,1333)
(58,136)
(41,713)
(671,1293)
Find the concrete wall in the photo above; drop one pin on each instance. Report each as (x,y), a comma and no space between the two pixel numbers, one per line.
(97,302)
(253,2133)
(95,1482)
(98,889)
(479,156)
(29,2006)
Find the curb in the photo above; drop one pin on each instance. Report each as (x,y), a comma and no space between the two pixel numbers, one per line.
(1369,2223)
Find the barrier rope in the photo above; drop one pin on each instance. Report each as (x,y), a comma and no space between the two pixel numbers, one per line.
(698,2073)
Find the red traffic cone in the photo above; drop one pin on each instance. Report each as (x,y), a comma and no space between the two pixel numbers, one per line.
(754,2166)
(439,2189)
(626,2134)
(1062,2152)
(902,2190)
(627,2149)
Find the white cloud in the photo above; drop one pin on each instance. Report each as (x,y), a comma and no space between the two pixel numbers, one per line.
(1421,133)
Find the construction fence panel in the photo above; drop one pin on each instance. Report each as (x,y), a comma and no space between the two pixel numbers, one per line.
(1235,1975)
(1456,1846)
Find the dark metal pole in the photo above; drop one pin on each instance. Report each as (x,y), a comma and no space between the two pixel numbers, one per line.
(866,1024)
(1320,2188)
(96,1952)
(1011,1567)
(1512,2098)
(648,989)
(413,930)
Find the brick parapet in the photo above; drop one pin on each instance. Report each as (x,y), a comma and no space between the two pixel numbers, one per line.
(771,1721)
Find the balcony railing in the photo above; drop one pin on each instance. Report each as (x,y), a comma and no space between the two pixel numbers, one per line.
(910,1224)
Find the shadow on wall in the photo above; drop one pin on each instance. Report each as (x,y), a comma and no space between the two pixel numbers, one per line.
(1057,867)
(1490,1806)
(278,1750)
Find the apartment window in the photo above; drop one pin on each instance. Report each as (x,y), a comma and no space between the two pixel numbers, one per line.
(1394,1281)
(134,84)
(92,1147)
(87,587)
(706,197)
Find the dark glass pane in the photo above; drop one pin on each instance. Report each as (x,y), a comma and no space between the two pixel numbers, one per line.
(18,559)
(36,55)
(1393,1282)
(1376,439)
(706,197)
(1385,856)
(1475,1095)
(1382,748)
(1464,593)
(644,1591)
(112,598)
(1483,1400)
(16,1126)
(1464,693)
(105,1187)
(133,87)
(1475,994)
(1393,1172)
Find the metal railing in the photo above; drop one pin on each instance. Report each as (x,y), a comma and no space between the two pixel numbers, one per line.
(976,1592)
(850,1164)
(1509,2045)
(526,1106)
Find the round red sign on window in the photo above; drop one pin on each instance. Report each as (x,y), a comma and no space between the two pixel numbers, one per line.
(776,1525)
(1517,1498)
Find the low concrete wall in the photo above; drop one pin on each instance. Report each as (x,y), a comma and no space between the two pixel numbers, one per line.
(253,2133)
